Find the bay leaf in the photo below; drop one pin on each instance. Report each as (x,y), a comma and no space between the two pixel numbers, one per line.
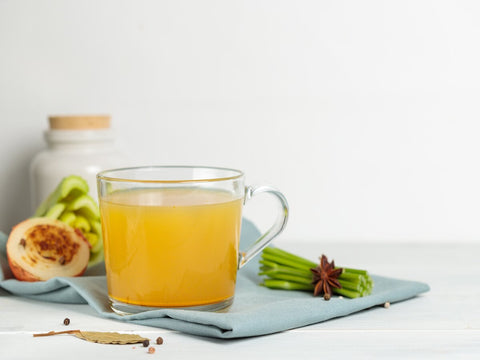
(110,337)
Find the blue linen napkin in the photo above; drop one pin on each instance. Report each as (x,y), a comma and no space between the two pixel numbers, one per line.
(256,310)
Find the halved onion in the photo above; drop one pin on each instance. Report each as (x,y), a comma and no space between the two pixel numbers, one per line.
(41,248)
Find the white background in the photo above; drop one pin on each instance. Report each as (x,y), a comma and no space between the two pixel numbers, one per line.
(364,113)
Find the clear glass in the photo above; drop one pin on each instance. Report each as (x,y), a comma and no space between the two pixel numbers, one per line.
(171,235)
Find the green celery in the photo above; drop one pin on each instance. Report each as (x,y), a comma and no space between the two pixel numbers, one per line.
(285,285)
(284,270)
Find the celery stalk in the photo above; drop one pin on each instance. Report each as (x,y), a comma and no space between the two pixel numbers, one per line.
(287,271)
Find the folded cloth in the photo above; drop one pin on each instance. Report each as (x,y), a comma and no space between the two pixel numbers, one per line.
(256,310)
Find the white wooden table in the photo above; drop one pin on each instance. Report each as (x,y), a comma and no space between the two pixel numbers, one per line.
(443,323)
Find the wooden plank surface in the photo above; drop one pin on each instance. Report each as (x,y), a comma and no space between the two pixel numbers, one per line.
(443,323)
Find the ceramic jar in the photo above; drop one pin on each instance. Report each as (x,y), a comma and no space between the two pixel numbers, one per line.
(76,145)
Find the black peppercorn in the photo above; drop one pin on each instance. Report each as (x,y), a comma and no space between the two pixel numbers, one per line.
(66,321)
(146,343)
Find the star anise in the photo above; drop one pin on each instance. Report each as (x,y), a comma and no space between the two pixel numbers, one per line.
(325,277)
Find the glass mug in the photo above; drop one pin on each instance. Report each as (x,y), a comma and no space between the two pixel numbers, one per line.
(171,235)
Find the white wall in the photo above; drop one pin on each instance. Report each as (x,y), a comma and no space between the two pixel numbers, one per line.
(364,113)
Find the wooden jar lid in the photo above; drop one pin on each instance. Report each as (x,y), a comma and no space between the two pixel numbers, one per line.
(79,122)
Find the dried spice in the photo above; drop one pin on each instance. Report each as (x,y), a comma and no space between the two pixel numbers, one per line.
(66,321)
(151,350)
(159,340)
(100,337)
(325,277)
(145,343)
(110,337)
(50,333)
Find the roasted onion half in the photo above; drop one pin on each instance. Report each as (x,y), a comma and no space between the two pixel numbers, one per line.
(39,249)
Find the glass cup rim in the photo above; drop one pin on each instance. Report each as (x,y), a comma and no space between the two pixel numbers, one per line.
(108,175)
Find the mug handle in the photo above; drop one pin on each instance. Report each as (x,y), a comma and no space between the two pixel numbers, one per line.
(245,256)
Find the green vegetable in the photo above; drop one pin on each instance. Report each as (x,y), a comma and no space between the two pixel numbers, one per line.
(85,205)
(71,204)
(55,211)
(82,224)
(286,271)
(70,187)
(68,217)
